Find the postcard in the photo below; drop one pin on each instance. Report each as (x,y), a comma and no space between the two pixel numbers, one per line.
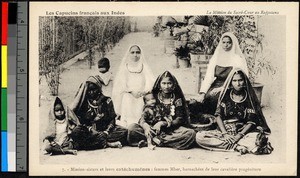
(163,88)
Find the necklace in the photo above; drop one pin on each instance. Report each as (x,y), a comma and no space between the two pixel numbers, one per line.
(93,104)
(135,72)
(236,101)
(164,102)
(170,103)
(93,107)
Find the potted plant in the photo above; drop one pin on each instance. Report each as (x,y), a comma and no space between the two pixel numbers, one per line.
(204,38)
(258,61)
(197,52)
(181,52)
(168,35)
(171,27)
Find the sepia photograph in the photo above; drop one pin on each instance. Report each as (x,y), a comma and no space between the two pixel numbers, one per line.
(189,89)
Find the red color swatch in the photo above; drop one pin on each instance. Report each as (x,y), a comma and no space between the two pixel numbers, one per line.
(4,24)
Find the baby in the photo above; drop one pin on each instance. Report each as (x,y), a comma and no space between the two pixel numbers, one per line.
(61,123)
(152,114)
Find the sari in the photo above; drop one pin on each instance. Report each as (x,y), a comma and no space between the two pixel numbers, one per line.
(176,135)
(87,112)
(235,116)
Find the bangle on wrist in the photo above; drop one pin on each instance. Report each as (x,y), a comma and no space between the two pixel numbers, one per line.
(242,135)
(202,92)
(223,133)
(168,123)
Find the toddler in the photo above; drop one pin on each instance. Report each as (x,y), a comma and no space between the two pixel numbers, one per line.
(105,75)
(152,114)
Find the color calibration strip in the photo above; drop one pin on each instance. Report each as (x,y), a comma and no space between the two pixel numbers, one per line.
(8,86)
(4,29)
(11,87)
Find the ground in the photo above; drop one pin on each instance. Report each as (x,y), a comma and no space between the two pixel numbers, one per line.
(77,71)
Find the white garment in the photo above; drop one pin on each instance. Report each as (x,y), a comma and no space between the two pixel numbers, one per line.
(234,58)
(131,107)
(61,131)
(107,79)
(131,78)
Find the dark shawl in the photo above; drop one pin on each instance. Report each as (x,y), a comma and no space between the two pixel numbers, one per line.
(177,92)
(251,96)
(81,95)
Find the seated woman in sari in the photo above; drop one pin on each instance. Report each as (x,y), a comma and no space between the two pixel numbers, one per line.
(96,111)
(227,56)
(241,124)
(171,133)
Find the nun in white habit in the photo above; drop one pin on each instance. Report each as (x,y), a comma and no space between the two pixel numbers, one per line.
(227,56)
(133,80)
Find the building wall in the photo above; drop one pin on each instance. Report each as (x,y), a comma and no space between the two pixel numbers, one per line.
(274,49)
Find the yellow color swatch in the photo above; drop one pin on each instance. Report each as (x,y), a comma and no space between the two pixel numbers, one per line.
(4,67)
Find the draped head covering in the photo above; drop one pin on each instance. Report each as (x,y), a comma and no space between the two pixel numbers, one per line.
(177,91)
(121,76)
(81,95)
(234,58)
(251,96)
(69,116)
(235,45)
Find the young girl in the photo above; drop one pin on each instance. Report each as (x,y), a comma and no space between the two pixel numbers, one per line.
(241,124)
(62,121)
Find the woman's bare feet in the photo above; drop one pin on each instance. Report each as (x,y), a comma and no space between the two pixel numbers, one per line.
(151,147)
(241,149)
(114,144)
(156,141)
(72,152)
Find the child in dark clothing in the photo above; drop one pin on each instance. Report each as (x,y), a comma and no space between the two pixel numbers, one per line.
(152,114)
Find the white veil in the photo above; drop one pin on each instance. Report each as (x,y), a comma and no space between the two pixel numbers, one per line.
(119,85)
(234,58)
